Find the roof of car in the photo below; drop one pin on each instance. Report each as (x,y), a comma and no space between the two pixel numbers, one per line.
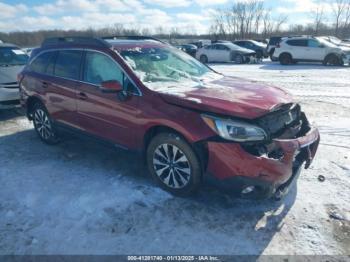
(118,43)
(125,43)
(298,37)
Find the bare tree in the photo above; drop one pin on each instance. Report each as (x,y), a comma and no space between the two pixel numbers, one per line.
(338,9)
(346,25)
(318,18)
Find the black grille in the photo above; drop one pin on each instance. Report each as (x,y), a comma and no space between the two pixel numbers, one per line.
(9,85)
(276,122)
(10,102)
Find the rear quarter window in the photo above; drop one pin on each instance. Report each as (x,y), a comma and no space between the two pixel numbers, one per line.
(274,40)
(68,64)
(40,63)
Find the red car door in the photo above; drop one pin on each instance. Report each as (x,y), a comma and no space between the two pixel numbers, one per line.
(60,89)
(104,114)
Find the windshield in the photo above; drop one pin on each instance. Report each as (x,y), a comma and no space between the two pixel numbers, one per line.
(163,67)
(258,43)
(335,40)
(10,56)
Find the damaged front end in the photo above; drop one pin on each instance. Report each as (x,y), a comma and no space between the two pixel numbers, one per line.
(261,169)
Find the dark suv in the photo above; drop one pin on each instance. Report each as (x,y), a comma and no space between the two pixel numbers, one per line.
(190,121)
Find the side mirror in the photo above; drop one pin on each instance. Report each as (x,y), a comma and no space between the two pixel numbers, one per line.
(111,86)
(321,46)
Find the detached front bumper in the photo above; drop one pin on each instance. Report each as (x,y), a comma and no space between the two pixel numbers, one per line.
(346,59)
(232,167)
(9,97)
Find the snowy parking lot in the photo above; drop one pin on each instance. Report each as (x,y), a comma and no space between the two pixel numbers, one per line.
(80,197)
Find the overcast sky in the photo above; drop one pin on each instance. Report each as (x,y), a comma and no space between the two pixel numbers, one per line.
(186,15)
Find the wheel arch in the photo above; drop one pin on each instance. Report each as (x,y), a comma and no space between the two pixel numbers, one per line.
(285,53)
(199,147)
(332,54)
(31,101)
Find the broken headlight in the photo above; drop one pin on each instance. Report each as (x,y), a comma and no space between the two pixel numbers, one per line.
(238,131)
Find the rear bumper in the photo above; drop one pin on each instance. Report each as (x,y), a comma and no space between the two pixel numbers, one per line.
(230,166)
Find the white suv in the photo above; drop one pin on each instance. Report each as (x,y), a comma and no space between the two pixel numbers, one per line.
(12,61)
(310,49)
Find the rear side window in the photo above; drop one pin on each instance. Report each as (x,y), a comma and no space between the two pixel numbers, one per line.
(99,68)
(299,42)
(221,47)
(68,64)
(39,65)
(274,40)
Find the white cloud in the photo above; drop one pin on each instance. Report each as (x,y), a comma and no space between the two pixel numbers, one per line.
(190,17)
(9,11)
(304,6)
(169,3)
(210,2)
(61,6)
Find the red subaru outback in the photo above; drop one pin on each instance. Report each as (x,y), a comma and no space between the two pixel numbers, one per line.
(192,122)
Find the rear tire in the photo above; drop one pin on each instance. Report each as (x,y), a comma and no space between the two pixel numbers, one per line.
(285,59)
(203,59)
(173,164)
(43,124)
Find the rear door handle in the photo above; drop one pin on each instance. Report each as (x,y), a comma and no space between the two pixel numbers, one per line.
(45,84)
(82,96)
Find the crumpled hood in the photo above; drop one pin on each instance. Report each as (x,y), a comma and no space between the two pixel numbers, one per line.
(8,74)
(229,96)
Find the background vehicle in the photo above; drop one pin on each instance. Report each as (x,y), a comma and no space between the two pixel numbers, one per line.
(142,94)
(12,60)
(29,50)
(273,41)
(201,43)
(258,47)
(335,40)
(310,49)
(225,52)
(189,49)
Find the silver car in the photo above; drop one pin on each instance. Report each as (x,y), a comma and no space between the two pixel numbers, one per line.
(12,61)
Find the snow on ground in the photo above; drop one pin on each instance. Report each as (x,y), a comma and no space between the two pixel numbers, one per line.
(80,197)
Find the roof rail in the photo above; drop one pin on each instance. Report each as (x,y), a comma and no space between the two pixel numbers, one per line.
(132,37)
(76,40)
(305,36)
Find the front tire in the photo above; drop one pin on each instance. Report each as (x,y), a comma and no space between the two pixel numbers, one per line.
(203,59)
(173,164)
(332,60)
(43,125)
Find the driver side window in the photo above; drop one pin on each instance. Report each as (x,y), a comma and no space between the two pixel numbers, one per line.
(99,68)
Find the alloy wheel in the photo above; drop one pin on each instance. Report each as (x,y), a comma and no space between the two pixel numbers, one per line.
(171,166)
(43,124)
